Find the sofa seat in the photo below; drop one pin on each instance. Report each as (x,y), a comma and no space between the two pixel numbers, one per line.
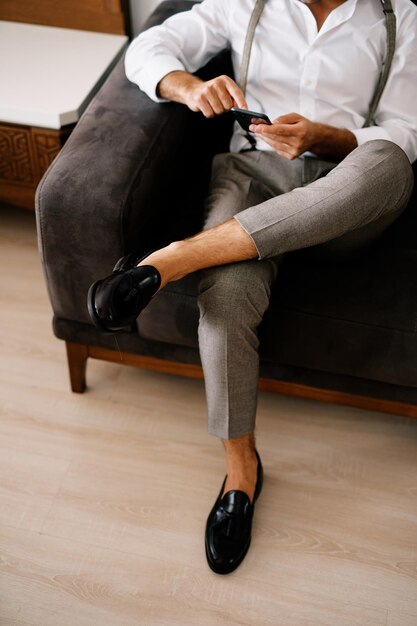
(338,318)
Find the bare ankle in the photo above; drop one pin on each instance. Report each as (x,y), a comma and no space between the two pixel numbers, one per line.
(241,464)
(167,261)
(240,455)
(243,447)
(225,243)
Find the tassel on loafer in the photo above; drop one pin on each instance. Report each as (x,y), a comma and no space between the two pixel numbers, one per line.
(116,301)
(130,261)
(229,526)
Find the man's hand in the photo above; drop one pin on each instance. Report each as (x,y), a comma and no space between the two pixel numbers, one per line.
(292,134)
(212,97)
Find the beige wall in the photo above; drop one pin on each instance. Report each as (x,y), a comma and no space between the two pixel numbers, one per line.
(140,10)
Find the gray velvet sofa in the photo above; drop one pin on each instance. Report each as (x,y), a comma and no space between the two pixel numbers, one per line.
(133,175)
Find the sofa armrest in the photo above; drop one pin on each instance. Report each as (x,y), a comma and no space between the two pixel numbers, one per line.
(131,176)
(403,233)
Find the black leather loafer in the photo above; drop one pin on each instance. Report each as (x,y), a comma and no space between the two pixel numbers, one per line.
(229,526)
(116,301)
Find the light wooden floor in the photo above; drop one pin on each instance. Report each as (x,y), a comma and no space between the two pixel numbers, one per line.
(104,496)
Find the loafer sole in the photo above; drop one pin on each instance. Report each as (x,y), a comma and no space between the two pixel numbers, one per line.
(106,323)
(94,316)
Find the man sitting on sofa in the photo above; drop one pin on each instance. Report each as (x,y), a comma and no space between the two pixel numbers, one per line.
(315,178)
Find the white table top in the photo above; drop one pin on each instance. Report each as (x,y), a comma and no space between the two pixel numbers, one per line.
(48,75)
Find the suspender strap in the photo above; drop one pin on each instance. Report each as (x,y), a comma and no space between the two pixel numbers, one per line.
(390,23)
(253,22)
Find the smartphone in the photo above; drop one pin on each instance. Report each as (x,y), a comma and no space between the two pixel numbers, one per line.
(245,117)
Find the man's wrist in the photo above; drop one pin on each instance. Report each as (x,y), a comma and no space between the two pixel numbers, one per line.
(332,142)
(176,86)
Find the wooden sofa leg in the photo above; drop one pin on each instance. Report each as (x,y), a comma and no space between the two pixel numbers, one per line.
(77,355)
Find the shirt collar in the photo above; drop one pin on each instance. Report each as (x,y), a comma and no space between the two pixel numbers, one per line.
(340,14)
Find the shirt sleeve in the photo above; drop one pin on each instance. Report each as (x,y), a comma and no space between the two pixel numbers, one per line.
(186,41)
(396,116)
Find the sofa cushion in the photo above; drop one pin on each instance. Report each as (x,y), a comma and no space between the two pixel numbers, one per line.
(356,319)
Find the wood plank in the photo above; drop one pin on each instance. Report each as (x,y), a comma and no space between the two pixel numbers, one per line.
(400,619)
(28,485)
(47,581)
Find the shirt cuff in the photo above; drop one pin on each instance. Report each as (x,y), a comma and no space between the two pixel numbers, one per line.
(161,66)
(371,132)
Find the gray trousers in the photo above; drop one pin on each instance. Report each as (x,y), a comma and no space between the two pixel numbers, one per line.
(334,210)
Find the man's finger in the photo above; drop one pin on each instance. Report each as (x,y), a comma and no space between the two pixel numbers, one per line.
(274,143)
(236,94)
(215,102)
(206,109)
(287,155)
(226,99)
(283,149)
(289,118)
(273,130)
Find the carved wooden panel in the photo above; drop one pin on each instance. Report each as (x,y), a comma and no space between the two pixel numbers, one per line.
(25,155)
(16,163)
(46,148)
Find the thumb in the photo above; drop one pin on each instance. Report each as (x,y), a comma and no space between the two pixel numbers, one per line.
(289,118)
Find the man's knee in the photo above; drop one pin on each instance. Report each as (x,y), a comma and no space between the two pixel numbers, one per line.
(236,291)
(386,172)
(390,156)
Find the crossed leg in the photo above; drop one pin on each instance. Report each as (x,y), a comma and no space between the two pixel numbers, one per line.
(356,200)
(344,209)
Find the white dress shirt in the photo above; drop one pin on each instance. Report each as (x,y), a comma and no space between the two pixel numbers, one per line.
(328,76)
